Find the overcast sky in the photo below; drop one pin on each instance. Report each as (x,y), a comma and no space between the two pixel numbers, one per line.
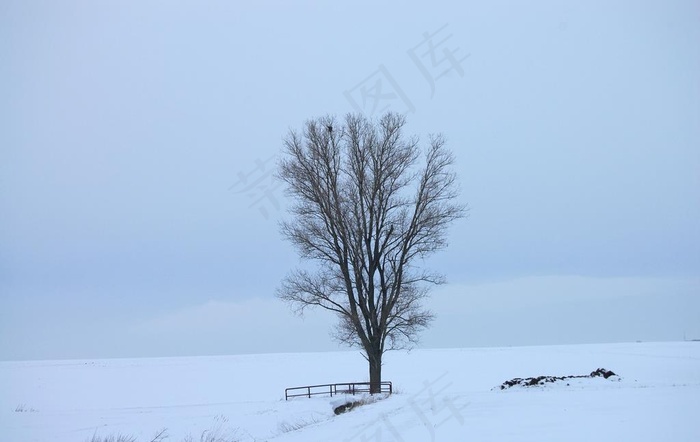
(138,215)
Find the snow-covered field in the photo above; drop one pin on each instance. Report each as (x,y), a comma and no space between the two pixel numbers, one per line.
(442,395)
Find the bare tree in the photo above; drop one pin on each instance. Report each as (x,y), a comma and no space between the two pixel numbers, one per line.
(366,215)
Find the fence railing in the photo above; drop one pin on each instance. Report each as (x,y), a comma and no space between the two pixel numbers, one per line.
(332,389)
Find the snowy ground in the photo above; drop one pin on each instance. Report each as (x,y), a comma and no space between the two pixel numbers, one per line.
(443,395)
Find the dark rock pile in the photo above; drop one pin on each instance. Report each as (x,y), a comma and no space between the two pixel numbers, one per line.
(346,407)
(602,372)
(541,380)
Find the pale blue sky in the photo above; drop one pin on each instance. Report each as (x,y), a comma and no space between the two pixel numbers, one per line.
(126,129)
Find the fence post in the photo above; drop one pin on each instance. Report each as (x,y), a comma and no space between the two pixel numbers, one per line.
(309,388)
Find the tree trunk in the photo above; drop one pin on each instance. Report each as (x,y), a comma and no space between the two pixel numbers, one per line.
(375,371)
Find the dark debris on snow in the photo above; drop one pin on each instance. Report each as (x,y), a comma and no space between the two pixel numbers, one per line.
(541,380)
